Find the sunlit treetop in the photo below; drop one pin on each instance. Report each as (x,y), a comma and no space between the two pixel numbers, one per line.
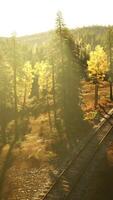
(98,63)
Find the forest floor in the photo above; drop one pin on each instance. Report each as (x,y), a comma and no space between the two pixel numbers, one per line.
(40,156)
(87,100)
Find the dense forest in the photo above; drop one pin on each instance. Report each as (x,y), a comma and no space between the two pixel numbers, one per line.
(41,79)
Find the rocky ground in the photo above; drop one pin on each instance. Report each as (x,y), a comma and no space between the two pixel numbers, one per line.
(25,178)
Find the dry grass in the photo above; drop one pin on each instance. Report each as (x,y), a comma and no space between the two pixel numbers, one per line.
(37,144)
(36,148)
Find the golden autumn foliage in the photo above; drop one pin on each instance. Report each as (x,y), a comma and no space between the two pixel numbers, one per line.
(98,64)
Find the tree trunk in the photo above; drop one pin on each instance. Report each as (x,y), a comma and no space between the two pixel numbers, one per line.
(111,92)
(54,95)
(64,78)
(3,120)
(3,134)
(48,107)
(96,95)
(15,88)
(24,99)
(110,63)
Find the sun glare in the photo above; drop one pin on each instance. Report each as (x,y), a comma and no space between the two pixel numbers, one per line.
(33,16)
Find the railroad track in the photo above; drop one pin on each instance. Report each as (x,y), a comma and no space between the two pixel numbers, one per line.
(72,174)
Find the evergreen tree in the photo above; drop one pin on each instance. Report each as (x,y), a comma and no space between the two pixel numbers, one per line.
(6,103)
(110,59)
(70,77)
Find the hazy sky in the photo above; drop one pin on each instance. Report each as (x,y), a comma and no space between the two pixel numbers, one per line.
(32,16)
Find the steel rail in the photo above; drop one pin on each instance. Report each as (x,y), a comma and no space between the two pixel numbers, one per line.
(105,121)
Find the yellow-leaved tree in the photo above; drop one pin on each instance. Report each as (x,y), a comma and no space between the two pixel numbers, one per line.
(44,71)
(97,68)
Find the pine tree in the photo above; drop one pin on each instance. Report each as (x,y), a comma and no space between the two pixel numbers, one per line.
(6,85)
(110,60)
(70,77)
